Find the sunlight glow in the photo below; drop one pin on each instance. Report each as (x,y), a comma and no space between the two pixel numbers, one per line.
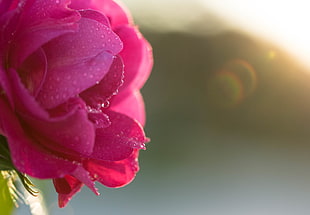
(284,22)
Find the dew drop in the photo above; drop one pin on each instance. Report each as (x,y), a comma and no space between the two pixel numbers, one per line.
(105,104)
(75,162)
(135,144)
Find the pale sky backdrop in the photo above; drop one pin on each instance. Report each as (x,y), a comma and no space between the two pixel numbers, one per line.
(284,22)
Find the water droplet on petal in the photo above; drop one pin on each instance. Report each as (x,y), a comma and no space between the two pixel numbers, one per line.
(136,144)
(105,104)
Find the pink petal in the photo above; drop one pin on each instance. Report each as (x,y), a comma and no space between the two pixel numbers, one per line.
(131,104)
(69,185)
(137,57)
(36,11)
(66,187)
(27,155)
(107,87)
(4,5)
(71,133)
(37,25)
(117,141)
(117,13)
(68,81)
(81,60)
(99,119)
(95,15)
(83,175)
(114,173)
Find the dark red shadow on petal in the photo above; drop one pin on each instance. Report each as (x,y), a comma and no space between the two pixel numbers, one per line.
(33,72)
(107,87)
(66,188)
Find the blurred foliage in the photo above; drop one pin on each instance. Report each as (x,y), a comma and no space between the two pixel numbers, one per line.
(6,202)
(184,65)
(181,105)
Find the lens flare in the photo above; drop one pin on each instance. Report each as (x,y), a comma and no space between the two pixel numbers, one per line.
(272,55)
(232,83)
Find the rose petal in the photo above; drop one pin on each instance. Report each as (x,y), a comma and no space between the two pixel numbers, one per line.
(62,134)
(117,141)
(36,11)
(137,57)
(39,22)
(117,13)
(114,173)
(80,59)
(26,153)
(71,135)
(82,175)
(4,5)
(107,87)
(66,187)
(131,104)
(99,119)
(92,38)
(69,185)
(68,81)
(95,15)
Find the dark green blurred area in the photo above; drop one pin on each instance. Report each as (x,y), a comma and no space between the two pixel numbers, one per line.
(180,102)
(178,92)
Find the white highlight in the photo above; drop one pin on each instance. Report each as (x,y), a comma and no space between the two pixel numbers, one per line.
(284,22)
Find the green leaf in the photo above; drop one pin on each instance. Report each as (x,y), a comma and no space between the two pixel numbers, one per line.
(6,202)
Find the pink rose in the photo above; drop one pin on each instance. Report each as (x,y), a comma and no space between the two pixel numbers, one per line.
(70,105)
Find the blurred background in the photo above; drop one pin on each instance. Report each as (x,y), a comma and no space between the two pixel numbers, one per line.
(228,113)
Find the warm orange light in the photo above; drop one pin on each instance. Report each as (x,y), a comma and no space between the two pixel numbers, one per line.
(285,23)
